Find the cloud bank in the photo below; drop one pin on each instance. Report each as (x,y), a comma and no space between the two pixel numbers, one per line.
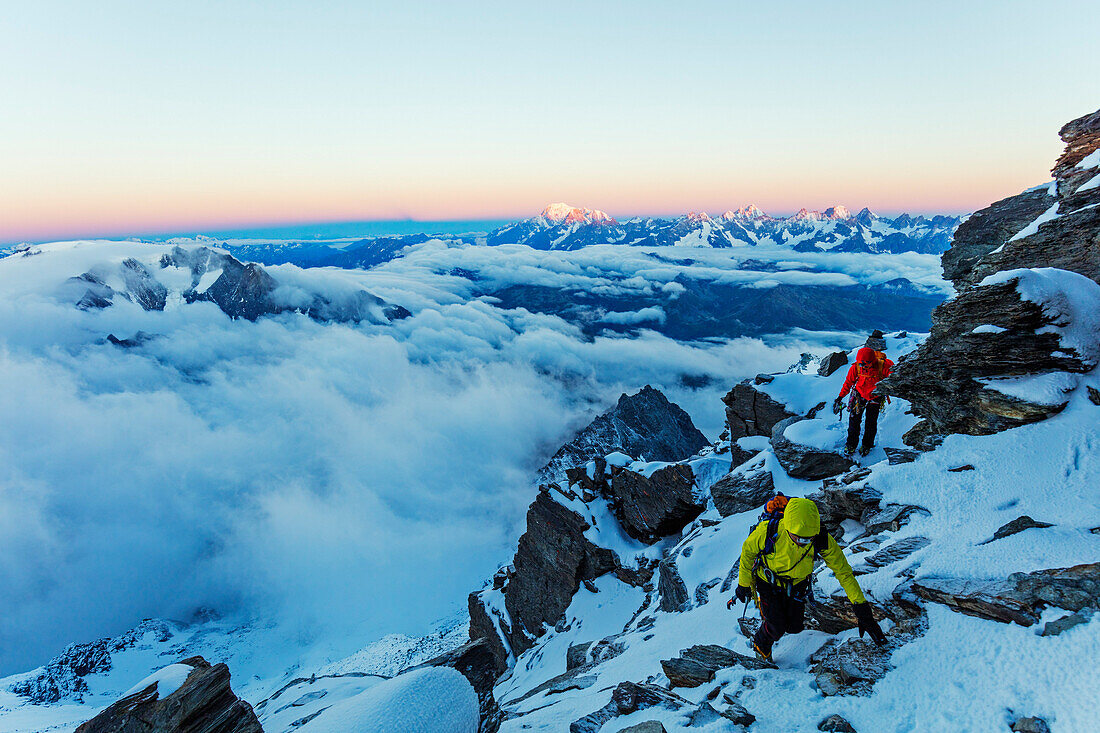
(344,481)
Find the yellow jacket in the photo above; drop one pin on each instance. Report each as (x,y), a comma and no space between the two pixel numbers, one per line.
(791,561)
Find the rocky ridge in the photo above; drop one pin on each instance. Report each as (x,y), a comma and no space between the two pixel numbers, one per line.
(1007,320)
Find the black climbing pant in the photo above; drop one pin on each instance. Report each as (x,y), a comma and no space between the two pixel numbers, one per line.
(856,410)
(780,613)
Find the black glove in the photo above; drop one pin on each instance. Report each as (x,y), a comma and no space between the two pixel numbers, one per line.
(838,405)
(743,593)
(867,623)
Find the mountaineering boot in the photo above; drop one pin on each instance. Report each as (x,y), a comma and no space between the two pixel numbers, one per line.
(849,450)
(763,653)
(866,449)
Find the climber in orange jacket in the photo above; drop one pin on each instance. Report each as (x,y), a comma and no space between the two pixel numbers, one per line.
(870,368)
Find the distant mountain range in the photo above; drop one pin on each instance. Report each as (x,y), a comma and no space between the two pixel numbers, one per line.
(564,227)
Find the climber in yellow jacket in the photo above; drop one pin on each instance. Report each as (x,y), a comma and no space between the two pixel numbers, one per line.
(777,560)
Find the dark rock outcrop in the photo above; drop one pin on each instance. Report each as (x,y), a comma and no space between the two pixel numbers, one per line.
(743,490)
(751,412)
(831,363)
(837,502)
(205,703)
(552,560)
(628,697)
(941,378)
(853,666)
(696,666)
(1018,599)
(1017,525)
(946,379)
(654,507)
(671,588)
(644,424)
(988,229)
(1030,725)
(803,461)
(836,724)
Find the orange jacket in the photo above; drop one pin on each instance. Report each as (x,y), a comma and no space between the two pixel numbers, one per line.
(868,370)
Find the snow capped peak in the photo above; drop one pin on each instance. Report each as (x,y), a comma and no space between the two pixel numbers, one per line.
(697,217)
(565,214)
(838,212)
(806,215)
(752,211)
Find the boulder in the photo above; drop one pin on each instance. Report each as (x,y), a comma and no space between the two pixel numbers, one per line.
(1019,598)
(644,425)
(1017,525)
(891,517)
(836,724)
(649,508)
(628,697)
(837,502)
(696,666)
(1030,725)
(671,588)
(752,412)
(743,490)
(803,461)
(900,455)
(832,362)
(204,703)
(649,726)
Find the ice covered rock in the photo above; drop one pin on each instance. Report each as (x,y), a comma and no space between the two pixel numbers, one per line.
(1018,598)
(649,508)
(1061,625)
(804,461)
(751,412)
(743,490)
(643,425)
(201,702)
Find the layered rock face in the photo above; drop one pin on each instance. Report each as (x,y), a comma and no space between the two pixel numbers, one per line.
(643,425)
(204,703)
(1002,325)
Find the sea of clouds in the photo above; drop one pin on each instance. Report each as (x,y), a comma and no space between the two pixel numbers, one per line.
(343,481)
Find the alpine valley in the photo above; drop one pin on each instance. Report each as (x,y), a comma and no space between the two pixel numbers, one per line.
(499,481)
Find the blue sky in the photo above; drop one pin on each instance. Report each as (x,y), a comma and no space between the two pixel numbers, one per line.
(128,116)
